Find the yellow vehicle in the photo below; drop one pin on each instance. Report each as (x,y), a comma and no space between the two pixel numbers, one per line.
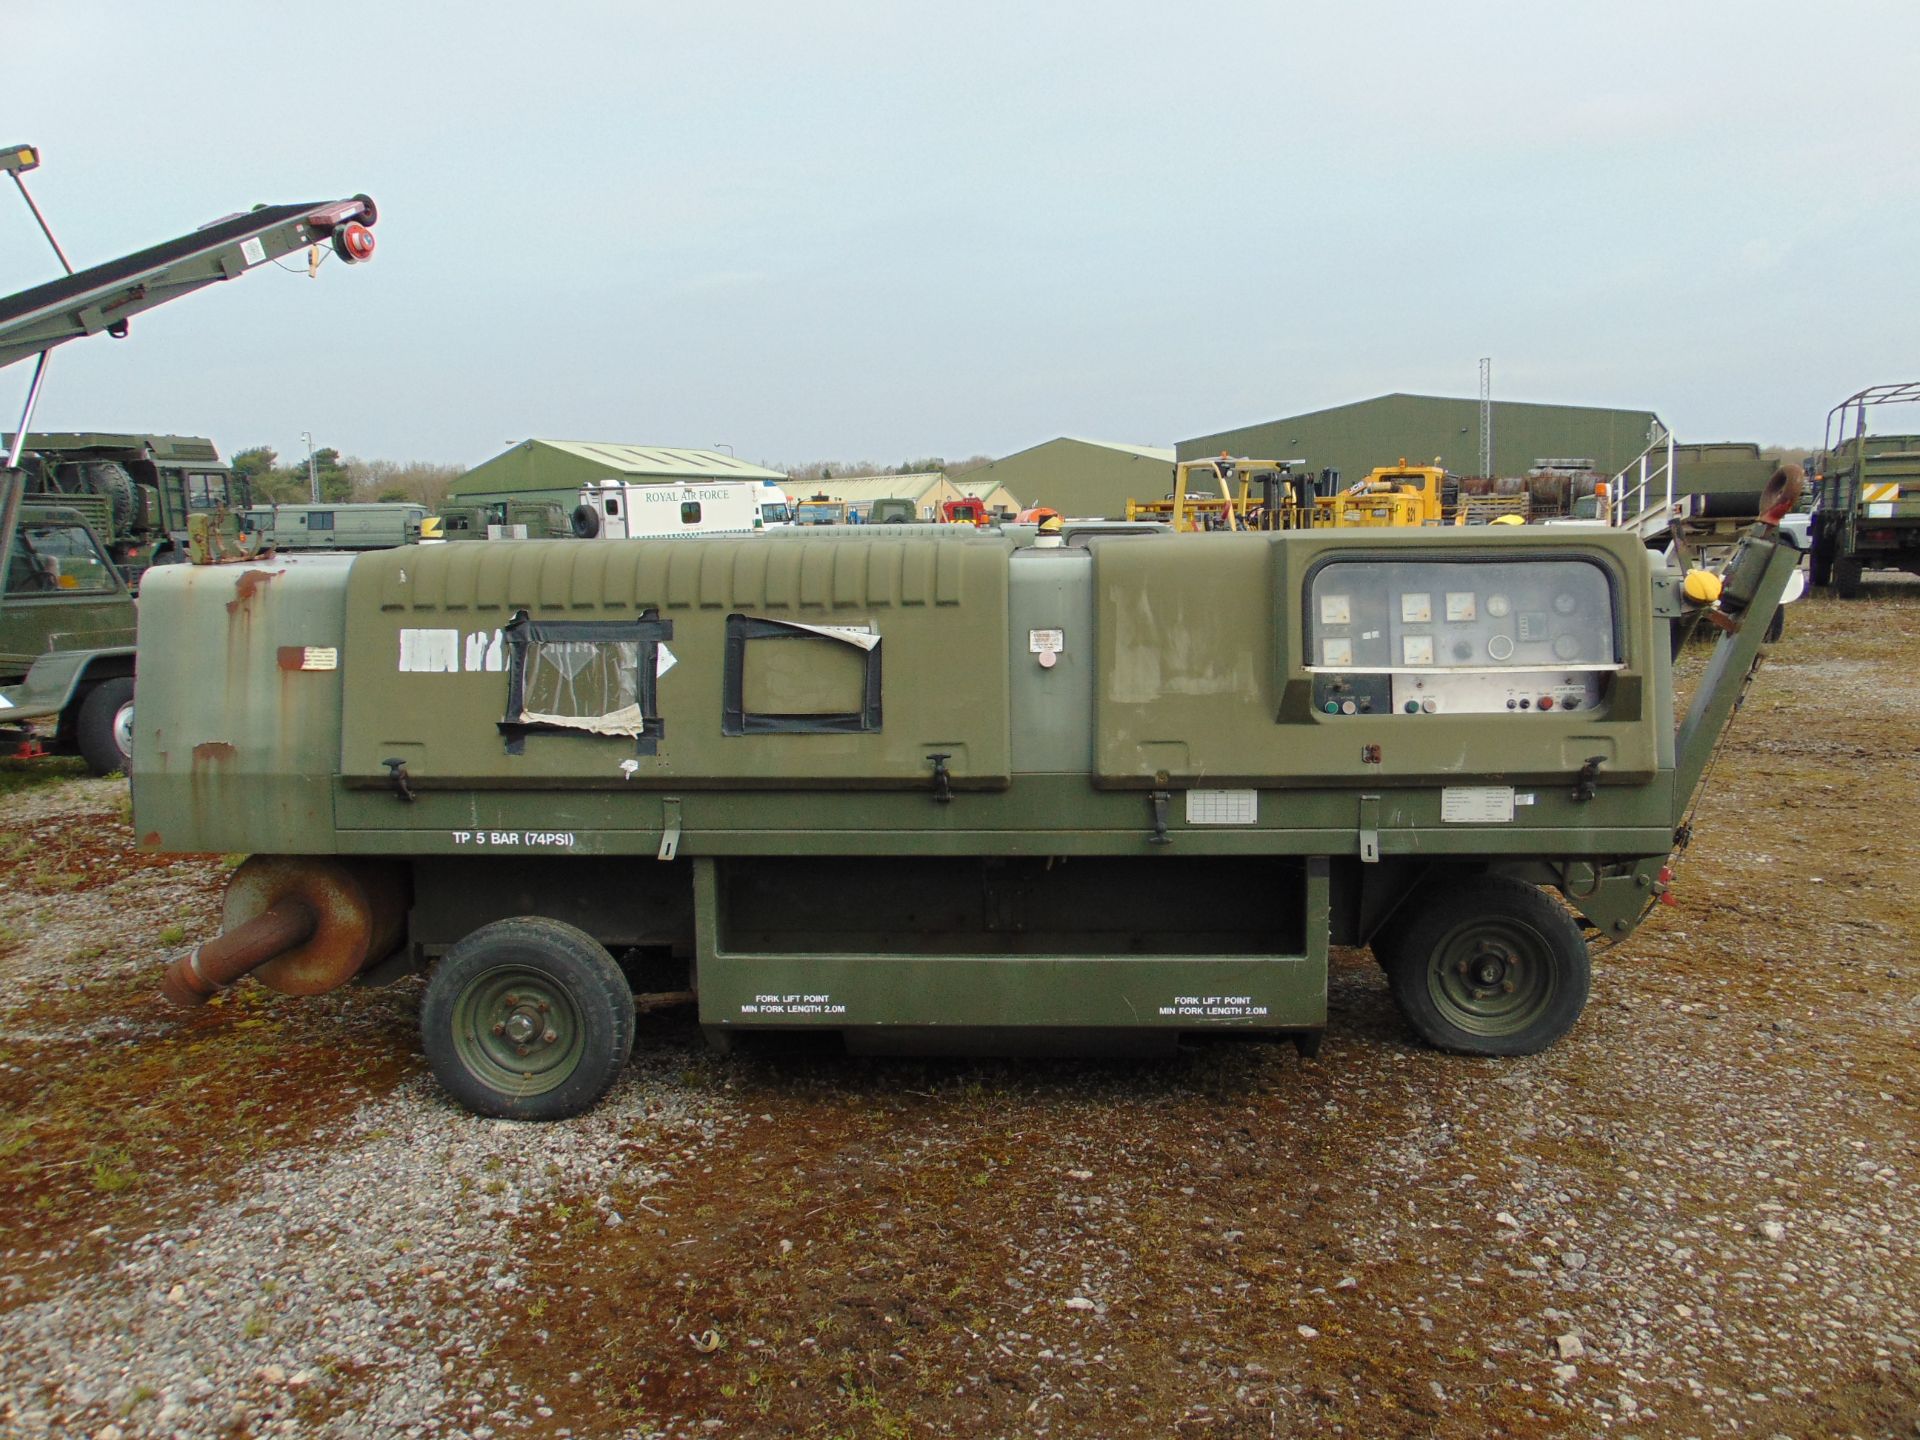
(1391,495)
(1249,495)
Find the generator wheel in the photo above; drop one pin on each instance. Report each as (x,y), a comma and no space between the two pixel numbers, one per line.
(1489,966)
(104,728)
(527,1019)
(585,521)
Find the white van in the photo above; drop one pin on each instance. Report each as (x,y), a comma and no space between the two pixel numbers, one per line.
(776,507)
(667,509)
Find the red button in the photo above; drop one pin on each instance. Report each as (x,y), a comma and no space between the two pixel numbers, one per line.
(1546,702)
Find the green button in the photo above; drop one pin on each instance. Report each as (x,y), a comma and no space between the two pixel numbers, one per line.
(1412,707)
(1333,707)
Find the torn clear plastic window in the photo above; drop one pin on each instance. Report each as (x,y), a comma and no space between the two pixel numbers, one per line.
(590,685)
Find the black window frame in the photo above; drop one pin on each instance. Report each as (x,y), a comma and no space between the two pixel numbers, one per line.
(648,631)
(736,719)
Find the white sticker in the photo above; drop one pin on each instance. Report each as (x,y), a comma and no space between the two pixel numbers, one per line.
(663,660)
(319,657)
(484,649)
(1880,510)
(1047,642)
(430,651)
(1476,804)
(1223,807)
(252,251)
(1525,799)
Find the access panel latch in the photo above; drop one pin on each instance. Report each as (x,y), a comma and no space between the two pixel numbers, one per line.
(1369,829)
(1584,785)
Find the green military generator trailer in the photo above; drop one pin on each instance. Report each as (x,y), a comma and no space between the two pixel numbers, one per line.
(932,793)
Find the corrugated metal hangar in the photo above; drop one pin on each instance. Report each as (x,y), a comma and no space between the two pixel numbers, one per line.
(563,466)
(1080,477)
(1354,438)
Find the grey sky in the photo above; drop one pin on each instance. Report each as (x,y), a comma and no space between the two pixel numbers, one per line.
(864,229)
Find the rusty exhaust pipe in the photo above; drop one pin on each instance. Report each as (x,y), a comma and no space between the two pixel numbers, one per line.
(198,975)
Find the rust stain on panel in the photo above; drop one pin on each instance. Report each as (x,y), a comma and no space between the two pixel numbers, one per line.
(214,750)
(247,586)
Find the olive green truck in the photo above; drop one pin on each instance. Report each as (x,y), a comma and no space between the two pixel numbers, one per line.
(932,794)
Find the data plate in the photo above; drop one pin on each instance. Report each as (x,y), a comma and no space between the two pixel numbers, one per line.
(1223,807)
(1476,804)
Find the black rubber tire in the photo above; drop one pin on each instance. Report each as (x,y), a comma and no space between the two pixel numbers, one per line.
(549,957)
(104,727)
(112,482)
(1522,936)
(1846,577)
(586,521)
(1820,554)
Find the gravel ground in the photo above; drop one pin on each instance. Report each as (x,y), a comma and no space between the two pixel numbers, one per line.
(1696,1216)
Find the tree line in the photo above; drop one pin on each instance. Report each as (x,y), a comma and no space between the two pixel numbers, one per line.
(344,478)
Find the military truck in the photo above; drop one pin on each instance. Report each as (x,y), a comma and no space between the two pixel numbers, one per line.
(933,793)
(66,643)
(367,525)
(1866,494)
(137,491)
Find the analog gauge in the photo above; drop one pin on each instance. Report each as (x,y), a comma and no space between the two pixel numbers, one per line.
(1334,610)
(1336,652)
(1500,647)
(1460,605)
(1416,649)
(1566,647)
(1498,606)
(1564,602)
(1416,609)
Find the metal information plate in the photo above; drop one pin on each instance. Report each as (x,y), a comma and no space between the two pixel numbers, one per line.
(1476,804)
(1223,807)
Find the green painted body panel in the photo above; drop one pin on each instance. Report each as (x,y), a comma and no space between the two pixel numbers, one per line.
(940,607)
(224,645)
(1003,979)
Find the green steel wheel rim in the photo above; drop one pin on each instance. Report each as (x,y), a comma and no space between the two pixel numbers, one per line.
(1492,977)
(517,1030)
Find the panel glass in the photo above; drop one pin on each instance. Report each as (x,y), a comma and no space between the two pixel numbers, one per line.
(1382,615)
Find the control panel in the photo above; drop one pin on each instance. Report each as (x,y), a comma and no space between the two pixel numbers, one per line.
(1407,637)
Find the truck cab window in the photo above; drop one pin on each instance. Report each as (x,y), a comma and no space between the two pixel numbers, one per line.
(56,560)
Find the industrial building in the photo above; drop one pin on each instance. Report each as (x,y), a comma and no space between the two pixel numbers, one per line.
(556,469)
(1082,477)
(928,490)
(1428,429)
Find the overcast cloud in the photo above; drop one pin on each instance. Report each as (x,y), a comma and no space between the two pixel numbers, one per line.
(863,229)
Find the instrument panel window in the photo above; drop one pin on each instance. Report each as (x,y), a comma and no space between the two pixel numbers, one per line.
(1518,613)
